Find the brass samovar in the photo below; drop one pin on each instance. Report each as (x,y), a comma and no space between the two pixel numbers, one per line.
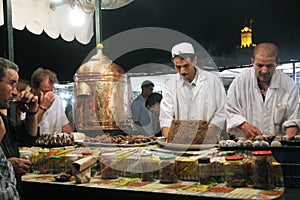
(100,95)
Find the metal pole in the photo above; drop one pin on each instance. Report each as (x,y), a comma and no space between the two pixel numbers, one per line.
(9,28)
(98,21)
(10,44)
(294,72)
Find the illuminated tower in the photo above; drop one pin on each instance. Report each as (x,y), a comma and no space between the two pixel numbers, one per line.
(244,50)
(246,36)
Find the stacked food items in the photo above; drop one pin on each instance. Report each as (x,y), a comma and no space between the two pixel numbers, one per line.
(55,140)
(261,141)
(120,139)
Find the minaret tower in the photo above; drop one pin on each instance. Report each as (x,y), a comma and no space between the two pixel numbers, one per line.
(245,48)
(246,36)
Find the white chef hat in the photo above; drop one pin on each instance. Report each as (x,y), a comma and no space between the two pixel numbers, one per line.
(182,48)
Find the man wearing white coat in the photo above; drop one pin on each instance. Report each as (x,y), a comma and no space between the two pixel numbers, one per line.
(262,100)
(193,94)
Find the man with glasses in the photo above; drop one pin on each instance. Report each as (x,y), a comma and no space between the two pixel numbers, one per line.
(262,100)
(11,134)
(51,115)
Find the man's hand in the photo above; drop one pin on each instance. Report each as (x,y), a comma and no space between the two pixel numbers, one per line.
(250,131)
(47,99)
(30,99)
(291,131)
(21,166)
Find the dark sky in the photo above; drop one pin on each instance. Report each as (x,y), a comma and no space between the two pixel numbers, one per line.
(215,24)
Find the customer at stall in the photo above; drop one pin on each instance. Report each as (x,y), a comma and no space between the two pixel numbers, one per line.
(9,133)
(193,94)
(51,115)
(262,100)
(153,104)
(140,114)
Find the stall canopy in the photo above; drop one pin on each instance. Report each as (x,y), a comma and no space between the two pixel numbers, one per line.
(38,16)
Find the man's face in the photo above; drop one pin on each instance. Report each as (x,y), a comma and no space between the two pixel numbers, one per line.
(148,90)
(8,88)
(264,67)
(185,67)
(45,86)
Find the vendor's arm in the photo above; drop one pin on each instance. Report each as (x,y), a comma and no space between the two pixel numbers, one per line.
(167,109)
(236,122)
(292,114)
(165,131)
(250,131)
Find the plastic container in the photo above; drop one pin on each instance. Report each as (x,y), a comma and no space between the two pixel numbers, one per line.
(168,170)
(262,170)
(235,174)
(204,168)
(147,167)
(69,159)
(107,162)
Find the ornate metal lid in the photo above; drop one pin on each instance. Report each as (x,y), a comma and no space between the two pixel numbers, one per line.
(100,63)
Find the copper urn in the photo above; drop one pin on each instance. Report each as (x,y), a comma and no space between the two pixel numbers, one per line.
(100,95)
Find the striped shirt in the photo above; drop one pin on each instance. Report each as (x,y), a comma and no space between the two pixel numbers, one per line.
(8,185)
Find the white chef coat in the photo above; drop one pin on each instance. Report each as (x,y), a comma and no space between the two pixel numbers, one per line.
(245,103)
(207,100)
(54,118)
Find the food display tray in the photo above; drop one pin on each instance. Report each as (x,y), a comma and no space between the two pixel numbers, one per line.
(180,147)
(100,144)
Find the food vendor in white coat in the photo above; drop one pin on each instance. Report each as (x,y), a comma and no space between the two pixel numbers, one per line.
(193,94)
(262,100)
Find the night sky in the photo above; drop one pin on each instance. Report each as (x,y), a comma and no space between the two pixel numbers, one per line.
(214,24)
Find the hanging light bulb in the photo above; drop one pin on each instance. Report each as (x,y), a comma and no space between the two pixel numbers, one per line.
(76,16)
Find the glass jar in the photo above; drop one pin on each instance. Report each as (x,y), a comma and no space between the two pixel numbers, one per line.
(235,174)
(168,170)
(146,167)
(108,170)
(204,168)
(262,170)
(57,164)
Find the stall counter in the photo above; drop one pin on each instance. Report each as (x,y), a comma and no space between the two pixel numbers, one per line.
(41,185)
